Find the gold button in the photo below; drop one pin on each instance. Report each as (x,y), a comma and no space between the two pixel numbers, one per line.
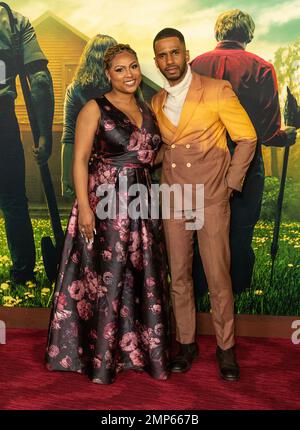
(173,146)
(188,164)
(188,146)
(173,165)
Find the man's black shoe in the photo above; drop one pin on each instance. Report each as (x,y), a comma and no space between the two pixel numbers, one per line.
(183,360)
(228,366)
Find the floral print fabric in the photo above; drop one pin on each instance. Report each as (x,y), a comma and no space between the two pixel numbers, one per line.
(110,308)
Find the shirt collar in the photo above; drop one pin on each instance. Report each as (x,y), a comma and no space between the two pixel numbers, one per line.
(230,44)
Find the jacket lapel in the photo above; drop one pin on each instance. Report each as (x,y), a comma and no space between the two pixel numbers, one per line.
(192,100)
(167,128)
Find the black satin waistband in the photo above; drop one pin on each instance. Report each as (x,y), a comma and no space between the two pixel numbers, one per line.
(125,160)
(141,170)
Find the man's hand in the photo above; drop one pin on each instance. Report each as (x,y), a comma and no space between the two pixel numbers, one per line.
(230,192)
(43,152)
(291,133)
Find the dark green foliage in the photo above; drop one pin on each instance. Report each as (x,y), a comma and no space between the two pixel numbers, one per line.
(291,201)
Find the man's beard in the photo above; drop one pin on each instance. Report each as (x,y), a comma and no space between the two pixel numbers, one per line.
(182,71)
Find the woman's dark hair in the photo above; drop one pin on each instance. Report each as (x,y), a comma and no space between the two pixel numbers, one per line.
(115,50)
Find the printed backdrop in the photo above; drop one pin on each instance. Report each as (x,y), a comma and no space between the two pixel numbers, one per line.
(63,29)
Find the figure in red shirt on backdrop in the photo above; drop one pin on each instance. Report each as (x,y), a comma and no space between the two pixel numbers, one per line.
(254,81)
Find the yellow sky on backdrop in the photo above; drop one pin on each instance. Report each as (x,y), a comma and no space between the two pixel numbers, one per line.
(137,21)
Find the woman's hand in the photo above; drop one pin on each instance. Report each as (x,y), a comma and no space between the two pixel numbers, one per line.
(86,127)
(86,224)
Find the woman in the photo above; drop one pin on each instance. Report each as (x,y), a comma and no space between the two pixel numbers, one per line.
(89,81)
(110,308)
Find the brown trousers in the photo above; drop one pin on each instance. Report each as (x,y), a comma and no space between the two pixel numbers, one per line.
(213,240)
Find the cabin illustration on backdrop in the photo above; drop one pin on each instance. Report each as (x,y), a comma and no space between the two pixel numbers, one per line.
(63,45)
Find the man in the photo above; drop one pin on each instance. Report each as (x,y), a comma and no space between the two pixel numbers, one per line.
(13,200)
(194,113)
(254,81)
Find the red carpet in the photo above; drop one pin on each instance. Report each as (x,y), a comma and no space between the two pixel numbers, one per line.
(270,379)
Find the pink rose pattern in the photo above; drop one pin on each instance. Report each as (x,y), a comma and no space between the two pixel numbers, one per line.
(110,308)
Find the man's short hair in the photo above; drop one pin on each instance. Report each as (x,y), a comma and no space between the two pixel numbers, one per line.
(234,25)
(168,32)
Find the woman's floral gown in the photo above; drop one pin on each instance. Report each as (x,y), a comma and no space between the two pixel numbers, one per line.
(110,308)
